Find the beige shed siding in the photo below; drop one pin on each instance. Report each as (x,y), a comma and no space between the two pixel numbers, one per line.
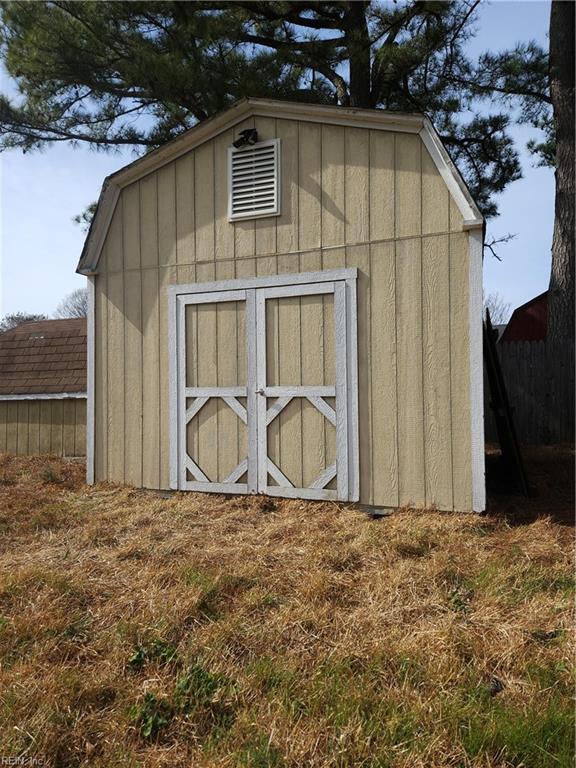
(30,427)
(350,197)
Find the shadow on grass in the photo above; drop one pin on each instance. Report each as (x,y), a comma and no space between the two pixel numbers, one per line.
(550,471)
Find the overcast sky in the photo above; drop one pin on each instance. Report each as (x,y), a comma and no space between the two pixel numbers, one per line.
(41,192)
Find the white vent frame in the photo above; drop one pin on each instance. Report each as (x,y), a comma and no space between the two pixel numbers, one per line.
(273,209)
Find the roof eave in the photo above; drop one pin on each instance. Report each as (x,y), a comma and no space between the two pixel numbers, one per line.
(472,217)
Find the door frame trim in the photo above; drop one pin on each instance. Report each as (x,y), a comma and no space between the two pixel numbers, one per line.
(348,276)
(295,278)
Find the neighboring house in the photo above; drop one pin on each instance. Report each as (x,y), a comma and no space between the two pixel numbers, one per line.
(43,388)
(528,322)
(287,299)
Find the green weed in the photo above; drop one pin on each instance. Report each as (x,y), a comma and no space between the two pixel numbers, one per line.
(151,716)
(159,651)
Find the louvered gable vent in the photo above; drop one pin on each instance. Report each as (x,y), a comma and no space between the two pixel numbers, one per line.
(254,180)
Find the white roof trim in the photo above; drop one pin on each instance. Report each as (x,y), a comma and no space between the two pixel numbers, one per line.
(451,175)
(46,396)
(99,228)
(374,119)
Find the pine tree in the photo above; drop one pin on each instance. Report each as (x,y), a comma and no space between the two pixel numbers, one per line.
(138,73)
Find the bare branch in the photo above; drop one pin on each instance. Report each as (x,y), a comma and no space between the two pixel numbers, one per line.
(491,246)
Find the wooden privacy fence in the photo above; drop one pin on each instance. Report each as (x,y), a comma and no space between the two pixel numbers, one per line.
(539,376)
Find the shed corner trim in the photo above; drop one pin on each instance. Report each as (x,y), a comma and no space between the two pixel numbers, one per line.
(475,247)
(90,382)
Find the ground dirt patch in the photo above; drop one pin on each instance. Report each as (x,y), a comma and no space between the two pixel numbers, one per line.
(202,631)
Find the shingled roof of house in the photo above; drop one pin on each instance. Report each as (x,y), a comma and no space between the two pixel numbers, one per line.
(46,357)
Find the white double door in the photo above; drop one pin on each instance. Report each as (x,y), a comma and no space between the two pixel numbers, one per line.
(264,386)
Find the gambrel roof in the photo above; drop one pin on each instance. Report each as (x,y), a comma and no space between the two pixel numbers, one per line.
(374,119)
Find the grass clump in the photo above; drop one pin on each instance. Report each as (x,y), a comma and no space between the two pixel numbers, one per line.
(198,694)
(50,475)
(159,651)
(259,752)
(151,715)
(538,738)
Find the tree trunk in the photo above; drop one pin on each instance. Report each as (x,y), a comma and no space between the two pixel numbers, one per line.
(561,289)
(358,43)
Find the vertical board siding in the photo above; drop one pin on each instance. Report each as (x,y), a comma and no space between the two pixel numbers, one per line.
(408,185)
(333,210)
(131,226)
(56,427)
(356,184)
(435,197)
(383,374)
(436,371)
(167,215)
(290,372)
(314,342)
(310,185)
(80,432)
(382,164)
(287,222)
(346,193)
(45,422)
(150,385)
(133,374)
(22,440)
(204,201)
(33,427)
(12,427)
(411,468)
(114,241)
(148,221)
(116,356)
(185,218)
(167,275)
(69,427)
(223,232)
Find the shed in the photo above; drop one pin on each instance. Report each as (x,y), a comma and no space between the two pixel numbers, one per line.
(43,388)
(287,299)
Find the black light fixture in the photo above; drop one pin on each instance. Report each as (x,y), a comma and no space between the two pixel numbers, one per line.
(246,138)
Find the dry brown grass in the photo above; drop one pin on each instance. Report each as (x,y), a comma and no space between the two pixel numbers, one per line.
(200,631)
